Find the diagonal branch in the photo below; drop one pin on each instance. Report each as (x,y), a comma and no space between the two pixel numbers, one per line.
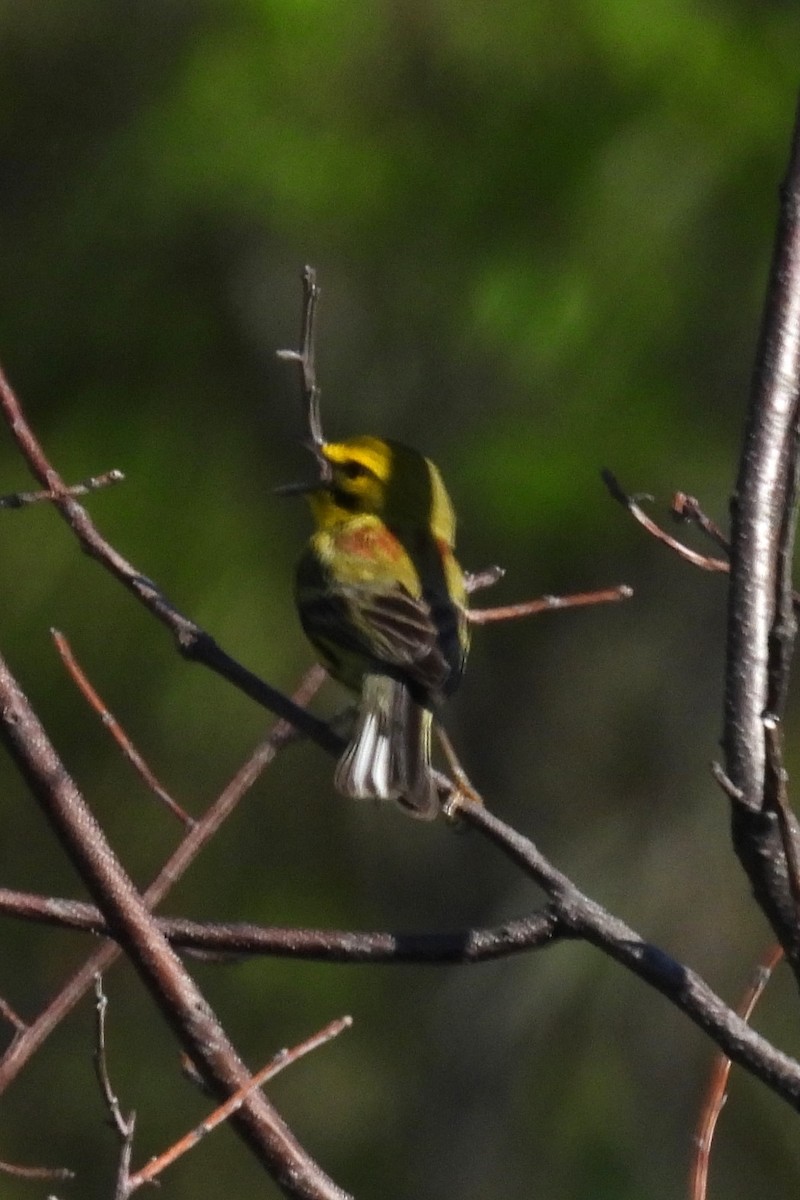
(588,919)
(192,641)
(175,992)
(30,1038)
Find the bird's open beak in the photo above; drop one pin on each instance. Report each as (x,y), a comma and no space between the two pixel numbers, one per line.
(302,489)
(297,489)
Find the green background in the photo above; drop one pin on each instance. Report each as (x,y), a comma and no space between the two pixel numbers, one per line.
(542,231)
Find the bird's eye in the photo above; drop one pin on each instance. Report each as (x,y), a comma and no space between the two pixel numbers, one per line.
(353,469)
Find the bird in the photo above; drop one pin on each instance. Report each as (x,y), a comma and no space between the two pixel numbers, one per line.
(382,599)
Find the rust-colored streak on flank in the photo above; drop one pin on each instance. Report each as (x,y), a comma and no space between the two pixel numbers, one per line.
(369,543)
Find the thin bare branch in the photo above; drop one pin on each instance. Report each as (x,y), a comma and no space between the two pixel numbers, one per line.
(13,1018)
(124,1127)
(530,608)
(305,358)
(715,1095)
(476,581)
(115,729)
(282,1060)
(43,1173)
(23,499)
(686,509)
(633,504)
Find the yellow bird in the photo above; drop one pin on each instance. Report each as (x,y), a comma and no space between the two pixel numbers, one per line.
(382,599)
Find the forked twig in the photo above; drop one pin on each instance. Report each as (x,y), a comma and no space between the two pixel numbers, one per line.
(115,729)
(687,509)
(305,358)
(633,505)
(13,1018)
(716,1091)
(282,1060)
(124,1126)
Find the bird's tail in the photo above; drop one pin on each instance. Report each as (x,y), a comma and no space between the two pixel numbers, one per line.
(389,757)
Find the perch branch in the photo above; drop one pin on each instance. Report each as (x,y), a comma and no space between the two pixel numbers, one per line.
(193,642)
(587,919)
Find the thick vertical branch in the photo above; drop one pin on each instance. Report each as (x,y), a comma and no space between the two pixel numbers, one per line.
(759,642)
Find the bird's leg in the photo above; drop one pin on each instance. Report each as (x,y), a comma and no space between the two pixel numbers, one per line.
(462,789)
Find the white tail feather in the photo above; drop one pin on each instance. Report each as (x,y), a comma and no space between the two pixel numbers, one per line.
(389,755)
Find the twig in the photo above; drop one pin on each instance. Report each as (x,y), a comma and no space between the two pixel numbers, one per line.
(8,1014)
(687,509)
(282,1060)
(475,581)
(715,1094)
(305,358)
(115,729)
(22,499)
(28,1042)
(124,1126)
(530,608)
(633,505)
(54,1173)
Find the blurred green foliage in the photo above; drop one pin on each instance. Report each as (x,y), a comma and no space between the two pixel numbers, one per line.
(542,232)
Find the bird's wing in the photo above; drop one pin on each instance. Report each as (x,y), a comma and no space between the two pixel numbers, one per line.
(389,628)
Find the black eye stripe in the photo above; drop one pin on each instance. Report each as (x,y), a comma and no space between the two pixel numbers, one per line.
(345,500)
(353,469)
